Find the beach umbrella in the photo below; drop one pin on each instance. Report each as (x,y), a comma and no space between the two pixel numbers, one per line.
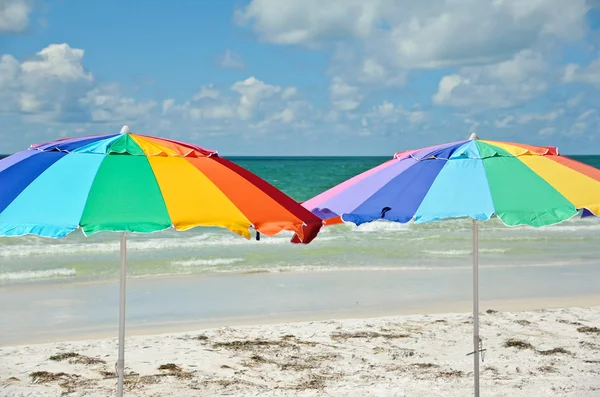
(478,179)
(138,184)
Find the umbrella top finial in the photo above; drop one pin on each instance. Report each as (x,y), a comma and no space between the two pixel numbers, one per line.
(125,130)
(473,136)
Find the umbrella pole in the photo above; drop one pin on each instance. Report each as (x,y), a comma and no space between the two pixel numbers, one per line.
(121,360)
(476,305)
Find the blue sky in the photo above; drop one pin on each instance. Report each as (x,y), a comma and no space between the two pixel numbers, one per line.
(302,77)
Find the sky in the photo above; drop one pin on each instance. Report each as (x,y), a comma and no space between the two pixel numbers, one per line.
(302,77)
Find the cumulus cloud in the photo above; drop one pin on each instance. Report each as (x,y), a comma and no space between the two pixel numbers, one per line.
(107,104)
(412,34)
(55,86)
(250,102)
(589,74)
(499,85)
(343,95)
(14,15)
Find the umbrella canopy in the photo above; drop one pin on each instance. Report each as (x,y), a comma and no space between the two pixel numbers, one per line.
(520,184)
(135,183)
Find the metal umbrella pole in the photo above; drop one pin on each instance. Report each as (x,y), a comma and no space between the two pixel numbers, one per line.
(121,359)
(476,348)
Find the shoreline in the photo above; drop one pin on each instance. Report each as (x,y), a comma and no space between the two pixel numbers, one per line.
(448,308)
(62,311)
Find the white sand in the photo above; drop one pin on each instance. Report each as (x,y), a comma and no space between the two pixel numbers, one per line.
(417,355)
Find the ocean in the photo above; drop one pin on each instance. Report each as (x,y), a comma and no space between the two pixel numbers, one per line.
(65,289)
(370,247)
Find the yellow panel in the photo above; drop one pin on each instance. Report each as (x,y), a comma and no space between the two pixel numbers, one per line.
(512,149)
(192,199)
(153,149)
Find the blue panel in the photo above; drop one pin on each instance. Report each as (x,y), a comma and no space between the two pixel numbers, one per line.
(439,151)
(399,199)
(16,178)
(461,189)
(15,158)
(64,187)
(69,145)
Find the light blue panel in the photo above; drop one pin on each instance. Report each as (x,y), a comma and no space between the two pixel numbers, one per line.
(52,205)
(461,189)
(469,150)
(98,147)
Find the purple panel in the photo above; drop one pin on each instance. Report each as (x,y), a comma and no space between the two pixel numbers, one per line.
(15,158)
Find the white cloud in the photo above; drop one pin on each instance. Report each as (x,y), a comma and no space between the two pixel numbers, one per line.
(575,100)
(500,85)
(208,91)
(249,104)
(529,117)
(343,95)
(253,90)
(504,122)
(511,120)
(57,61)
(586,114)
(408,34)
(310,21)
(388,113)
(167,104)
(589,74)
(547,131)
(231,60)
(14,15)
(289,92)
(106,104)
(54,86)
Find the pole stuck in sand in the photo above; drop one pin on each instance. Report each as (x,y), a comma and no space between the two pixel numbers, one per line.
(122,297)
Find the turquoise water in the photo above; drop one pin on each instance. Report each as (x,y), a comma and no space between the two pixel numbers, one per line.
(377,246)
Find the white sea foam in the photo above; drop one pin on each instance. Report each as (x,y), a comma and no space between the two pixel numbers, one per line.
(208,262)
(464,252)
(320,269)
(37,274)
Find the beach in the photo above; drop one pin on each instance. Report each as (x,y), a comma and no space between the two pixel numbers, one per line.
(548,352)
(377,310)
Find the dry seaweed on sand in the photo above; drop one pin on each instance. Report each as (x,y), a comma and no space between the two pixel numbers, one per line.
(424,365)
(171,369)
(314,382)
(365,335)
(556,350)
(589,330)
(45,376)
(224,383)
(519,344)
(260,343)
(76,358)
(450,374)
(524,323)
(133,382)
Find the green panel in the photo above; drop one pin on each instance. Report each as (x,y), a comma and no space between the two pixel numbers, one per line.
(520,196)
(125,145)
(125,197)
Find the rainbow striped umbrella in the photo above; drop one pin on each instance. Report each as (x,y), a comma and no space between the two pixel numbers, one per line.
(520,184)
(135,183)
